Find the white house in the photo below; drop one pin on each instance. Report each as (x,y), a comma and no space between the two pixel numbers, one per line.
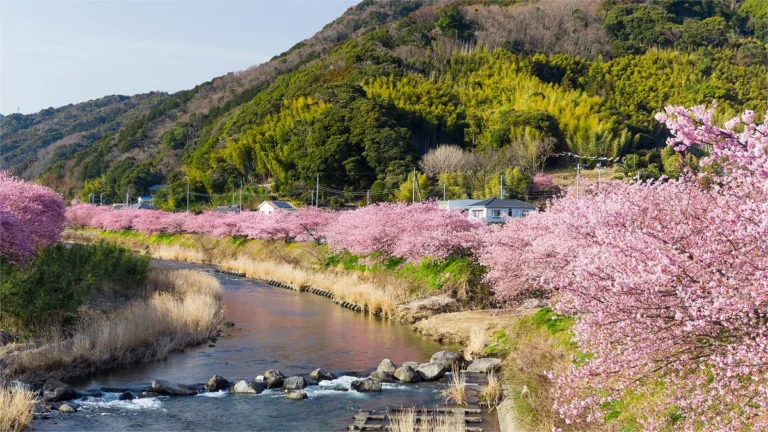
(456,204)
(269,207)
(227,209)
(496,210)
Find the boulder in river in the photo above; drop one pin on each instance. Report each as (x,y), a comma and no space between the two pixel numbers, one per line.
(168,388)
(431,371)
(66,408)
(18,385)
(274,378)
(383,376)
(216,383)
(484,365)
(229,324)
(296,395)
(448,359)
(387,366)
(321,374)
(406,373)
(414,365)
(247,387)
(294,383)
(367,385)
(148,394)
(127,396)
(57,391)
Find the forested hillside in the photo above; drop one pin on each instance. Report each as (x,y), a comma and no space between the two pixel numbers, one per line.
(364,99)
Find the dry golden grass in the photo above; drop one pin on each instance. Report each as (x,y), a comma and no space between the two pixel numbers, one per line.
(409,420)
(16,409)
(149,329)
(476,345)
(456,390)
(492,393)
(456,327)
(178,253)
(377,298)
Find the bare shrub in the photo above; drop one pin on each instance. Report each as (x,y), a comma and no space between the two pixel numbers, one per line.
(409,420)
(531,153)
(476,345)
(492,393)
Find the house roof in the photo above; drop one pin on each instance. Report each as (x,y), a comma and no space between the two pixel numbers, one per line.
(146,198)
(226,209)
(455,204)
(279,204)
(502,203)
(141,206)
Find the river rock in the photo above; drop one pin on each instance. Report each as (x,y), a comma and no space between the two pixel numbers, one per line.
(57,391)
(148,394)
(229,324)
(383,376)
(448,359)
(294,383)
(431,371)
(66,408)
(414,365)
(127,396)
(484,365)
(533,303)
(321,374)
(296,395)
(247,387)
(367,385)
(387,366)
(18,385)
(216,383)
(168,388)
(274,378)
(6,338)
(406,373)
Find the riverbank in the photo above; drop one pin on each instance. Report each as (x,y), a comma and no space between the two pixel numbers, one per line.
(382,288)
(184,309)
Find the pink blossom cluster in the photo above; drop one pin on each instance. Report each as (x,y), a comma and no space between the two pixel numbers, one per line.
(668,281)
(407,231)
(31,216)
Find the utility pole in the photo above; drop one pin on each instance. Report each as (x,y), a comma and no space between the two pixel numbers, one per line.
(127,198)
(187,194)
(369,197)
(444,192)
(241,195)
(578,173)
(317,191)
(501,185)
(101,199)
(413,188)
(599,166)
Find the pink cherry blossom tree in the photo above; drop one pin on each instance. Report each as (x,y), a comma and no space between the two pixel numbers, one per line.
(667,280)
(32,216)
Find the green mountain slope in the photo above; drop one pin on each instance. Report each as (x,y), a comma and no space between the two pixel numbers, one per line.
(367,96)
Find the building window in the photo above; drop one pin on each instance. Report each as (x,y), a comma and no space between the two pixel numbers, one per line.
(477,214)
(496,213)
(510,213)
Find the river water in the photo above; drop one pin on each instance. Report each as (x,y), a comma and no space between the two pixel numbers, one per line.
(275,328)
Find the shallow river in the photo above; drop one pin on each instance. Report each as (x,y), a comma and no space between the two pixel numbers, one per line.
(274,328)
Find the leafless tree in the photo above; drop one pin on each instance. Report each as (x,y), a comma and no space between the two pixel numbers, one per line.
(530,154)
(446,158)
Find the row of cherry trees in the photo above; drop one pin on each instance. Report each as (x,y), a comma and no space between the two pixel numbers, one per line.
(668,279)
(31,216)
(412,232)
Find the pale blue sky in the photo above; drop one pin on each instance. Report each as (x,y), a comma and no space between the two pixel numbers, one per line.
(57,52)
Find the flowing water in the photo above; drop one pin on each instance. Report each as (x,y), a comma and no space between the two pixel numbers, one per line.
(274,328)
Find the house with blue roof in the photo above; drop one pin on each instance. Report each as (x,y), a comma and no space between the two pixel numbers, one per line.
(269,207)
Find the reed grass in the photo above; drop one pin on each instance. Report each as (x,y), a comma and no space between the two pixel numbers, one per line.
(456,390)
(492,393)
(16,409)
(409,420)
(185,312)
(476,344)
